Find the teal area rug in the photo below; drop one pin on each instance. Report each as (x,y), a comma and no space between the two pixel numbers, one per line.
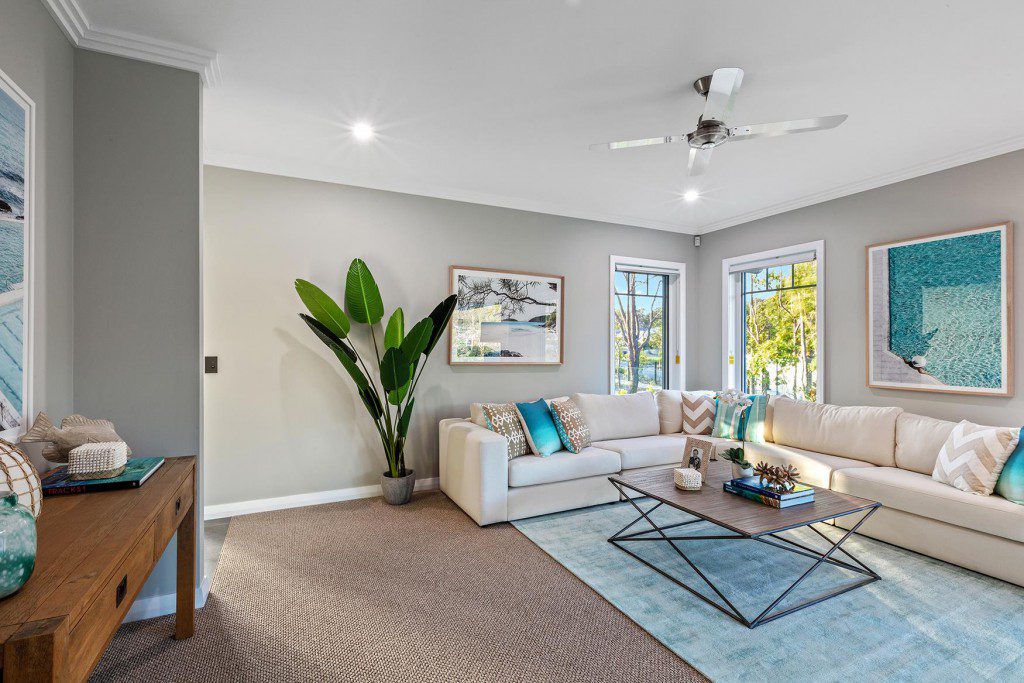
(924,621)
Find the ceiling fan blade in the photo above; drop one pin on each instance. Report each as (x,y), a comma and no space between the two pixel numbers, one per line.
(767,130)
(725,83)
(643,142)
(699,160)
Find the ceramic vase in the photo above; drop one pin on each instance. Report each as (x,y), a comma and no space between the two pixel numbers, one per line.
(398,490)
(738,472)
(17,544)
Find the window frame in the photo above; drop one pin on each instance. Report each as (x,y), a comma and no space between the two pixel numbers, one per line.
(732,311)
(676,308)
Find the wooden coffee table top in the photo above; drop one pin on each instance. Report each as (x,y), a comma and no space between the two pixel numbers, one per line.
(737,513)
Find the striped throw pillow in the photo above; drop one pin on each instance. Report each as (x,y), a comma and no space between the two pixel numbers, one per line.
(753,418)
(973,457)
(698,413)
(728,420)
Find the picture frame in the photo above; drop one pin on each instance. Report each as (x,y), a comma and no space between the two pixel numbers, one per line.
(702,450)
(505,317)
(940,312)
(17,222)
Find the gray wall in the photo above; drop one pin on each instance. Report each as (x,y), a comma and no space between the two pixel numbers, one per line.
(981,193)
(36,55)
(138,183)
(280,418)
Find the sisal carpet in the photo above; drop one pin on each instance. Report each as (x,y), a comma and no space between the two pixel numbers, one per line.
(361,591)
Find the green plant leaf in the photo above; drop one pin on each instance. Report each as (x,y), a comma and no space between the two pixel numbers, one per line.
(403,423)
(342,350)
(362,298)
(396,397)
(416,341)
(394,370)
(323,308)
(394,333)
(372,402)
(440,317)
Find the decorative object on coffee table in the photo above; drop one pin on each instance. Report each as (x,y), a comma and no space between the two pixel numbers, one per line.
(697,454)
(17,544)
(97,460)
(399,360)
(778,478)
(19,476)
(506,318)
(687,479)
(740,466)
(74,431)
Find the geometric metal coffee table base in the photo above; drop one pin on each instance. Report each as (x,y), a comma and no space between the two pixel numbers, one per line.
(771,538)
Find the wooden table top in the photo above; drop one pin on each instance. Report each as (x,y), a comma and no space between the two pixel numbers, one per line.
(736,513)
(80,536)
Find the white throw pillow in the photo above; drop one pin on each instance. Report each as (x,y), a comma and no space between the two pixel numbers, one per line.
(973,456)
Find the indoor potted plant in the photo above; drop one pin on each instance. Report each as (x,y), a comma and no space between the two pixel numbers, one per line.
(398,358)
(740,466)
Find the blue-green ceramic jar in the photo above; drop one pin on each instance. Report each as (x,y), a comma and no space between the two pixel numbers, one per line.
(17,544)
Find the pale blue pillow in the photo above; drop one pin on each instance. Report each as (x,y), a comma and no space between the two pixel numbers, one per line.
(541,432)
(1011,480)
(753,419)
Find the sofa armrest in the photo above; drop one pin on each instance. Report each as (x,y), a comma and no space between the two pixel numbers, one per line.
(473,465)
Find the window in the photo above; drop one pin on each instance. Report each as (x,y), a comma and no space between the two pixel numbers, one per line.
(773,331)
(646,325)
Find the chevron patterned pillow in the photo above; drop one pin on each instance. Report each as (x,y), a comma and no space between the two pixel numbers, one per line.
(698,412)
(973,456)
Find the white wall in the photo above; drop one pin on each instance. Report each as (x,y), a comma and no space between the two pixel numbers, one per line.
(281,417)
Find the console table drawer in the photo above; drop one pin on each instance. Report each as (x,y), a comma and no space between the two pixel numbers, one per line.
(93,631)
(171,515)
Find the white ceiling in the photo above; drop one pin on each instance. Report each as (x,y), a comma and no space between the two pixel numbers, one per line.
(496,101)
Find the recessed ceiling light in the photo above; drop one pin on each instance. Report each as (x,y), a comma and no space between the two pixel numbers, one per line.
(691,195)
(362,131)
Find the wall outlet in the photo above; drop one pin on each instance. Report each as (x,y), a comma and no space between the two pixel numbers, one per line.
(211,365)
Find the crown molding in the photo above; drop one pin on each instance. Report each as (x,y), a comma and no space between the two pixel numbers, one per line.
(82,33)
(935,165)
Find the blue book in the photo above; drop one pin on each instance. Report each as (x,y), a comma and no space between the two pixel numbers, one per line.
(767,500)
(754,484)
(56,482)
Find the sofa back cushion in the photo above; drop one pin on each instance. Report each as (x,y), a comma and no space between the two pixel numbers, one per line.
(919,440)
(619,417)
(857,432)
(670,411)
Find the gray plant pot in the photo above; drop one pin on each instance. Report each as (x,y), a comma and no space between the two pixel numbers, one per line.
(398,490)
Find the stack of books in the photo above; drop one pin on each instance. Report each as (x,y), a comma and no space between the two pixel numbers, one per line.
(58,482)
(751,487)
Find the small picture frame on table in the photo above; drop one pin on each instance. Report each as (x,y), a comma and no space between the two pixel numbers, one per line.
(697,453)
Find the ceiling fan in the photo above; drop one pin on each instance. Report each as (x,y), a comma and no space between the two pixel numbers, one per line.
(719,89)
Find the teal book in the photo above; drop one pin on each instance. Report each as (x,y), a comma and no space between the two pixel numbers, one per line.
(767,500)
(56,482)
(754,484)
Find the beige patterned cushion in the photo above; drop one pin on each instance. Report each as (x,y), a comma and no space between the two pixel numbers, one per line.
(698,412)
(503,418)
(973,456)
(572,427)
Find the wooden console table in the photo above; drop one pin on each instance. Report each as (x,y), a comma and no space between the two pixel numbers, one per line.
(95,552)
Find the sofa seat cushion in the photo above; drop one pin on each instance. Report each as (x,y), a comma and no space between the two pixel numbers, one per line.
(815,468)
(528,470)
(858,432)
(646,451)
(921,495)
(619,416)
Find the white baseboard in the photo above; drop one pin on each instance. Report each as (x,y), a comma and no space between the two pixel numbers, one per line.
(159,605)
(248,507)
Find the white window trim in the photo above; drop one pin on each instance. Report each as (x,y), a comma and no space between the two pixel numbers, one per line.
(677,314)
(731,315)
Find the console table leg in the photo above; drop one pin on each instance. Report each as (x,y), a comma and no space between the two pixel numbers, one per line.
(186,589)
(37,652)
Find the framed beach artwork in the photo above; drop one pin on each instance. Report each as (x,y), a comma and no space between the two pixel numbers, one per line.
(939,312)
(506,318)
(16,157)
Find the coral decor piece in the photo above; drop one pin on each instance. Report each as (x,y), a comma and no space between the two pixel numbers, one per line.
(779,478)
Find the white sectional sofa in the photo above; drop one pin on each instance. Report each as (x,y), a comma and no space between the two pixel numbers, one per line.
(883,454)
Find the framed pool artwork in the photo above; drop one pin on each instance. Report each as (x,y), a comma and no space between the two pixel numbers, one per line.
(17,117)
(506,318)
(939,311)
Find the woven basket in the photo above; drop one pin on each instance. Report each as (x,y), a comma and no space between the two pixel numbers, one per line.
(17,474)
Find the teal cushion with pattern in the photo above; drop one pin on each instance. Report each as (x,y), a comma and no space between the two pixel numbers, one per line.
(541,433)
(728,420)
(753,418)
(1011,480)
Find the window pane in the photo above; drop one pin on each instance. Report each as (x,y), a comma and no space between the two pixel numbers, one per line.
(805,273)
(639,351)
(620,281)
(780,339)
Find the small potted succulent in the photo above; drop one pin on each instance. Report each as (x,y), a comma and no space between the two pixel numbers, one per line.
(740,466)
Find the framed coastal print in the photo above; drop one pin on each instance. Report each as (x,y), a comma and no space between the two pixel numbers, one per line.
(506,318)
(939,312)
(16,148)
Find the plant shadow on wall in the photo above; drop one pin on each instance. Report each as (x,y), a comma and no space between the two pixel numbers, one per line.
(398,358)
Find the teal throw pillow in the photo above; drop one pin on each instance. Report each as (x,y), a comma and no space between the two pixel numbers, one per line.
(541,433)
(753,418)
(728,420)
(1011,480)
